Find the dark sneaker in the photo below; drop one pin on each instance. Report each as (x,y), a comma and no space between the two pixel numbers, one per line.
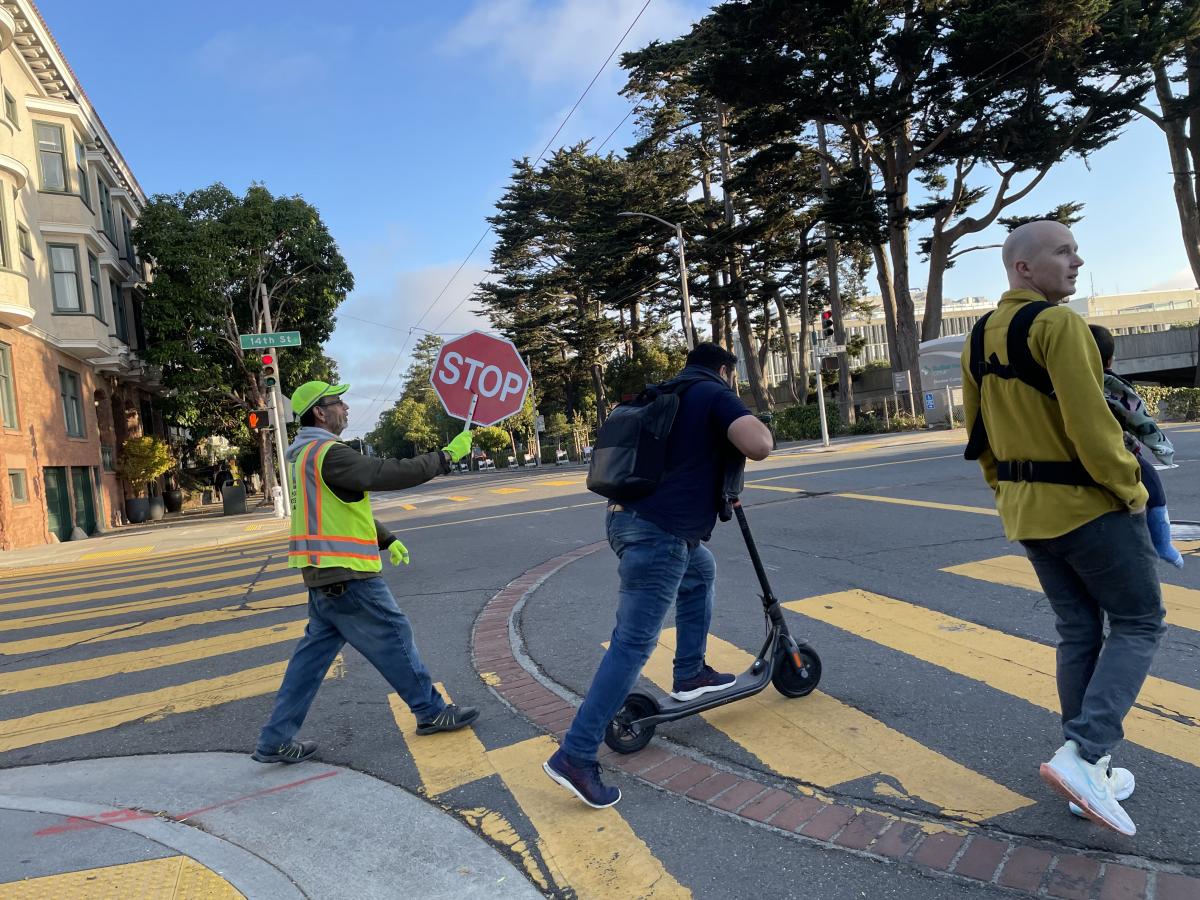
(291,752)
(451,718)
(582,779)
(704,683)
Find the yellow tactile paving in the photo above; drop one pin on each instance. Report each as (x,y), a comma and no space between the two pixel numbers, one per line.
(170,878)
(117,554)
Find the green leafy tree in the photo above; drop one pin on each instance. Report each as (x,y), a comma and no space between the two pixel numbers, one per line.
(214,256)
(142,460)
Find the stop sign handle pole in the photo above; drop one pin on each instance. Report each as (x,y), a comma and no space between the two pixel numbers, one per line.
(471,412)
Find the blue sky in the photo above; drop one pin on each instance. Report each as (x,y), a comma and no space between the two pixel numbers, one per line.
(399,122)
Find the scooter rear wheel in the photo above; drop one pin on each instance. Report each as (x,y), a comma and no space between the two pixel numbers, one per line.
(621,734)
(793,682)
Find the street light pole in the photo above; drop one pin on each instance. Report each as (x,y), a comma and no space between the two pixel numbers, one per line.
(686,315)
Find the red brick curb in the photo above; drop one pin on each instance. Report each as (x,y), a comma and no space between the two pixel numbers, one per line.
(963,852)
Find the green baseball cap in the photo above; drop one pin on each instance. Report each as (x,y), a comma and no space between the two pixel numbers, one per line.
(306,396)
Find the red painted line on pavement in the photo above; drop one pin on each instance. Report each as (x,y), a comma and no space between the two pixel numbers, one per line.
(78,823)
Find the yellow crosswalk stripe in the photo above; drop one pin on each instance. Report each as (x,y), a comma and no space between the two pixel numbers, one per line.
(444,761)
(88,718)
(153,879)
(1183,604)
(459,499)
(508,491)
(925,504)
(773,487)
(593,851)
(79,615)
(1163,720)
(128,590)
(407,506)
(141,660)
(820,740)
(154,626)
(571,482)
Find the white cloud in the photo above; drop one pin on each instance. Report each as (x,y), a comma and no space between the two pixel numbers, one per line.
(1181,280)
(563,40)
(373,327)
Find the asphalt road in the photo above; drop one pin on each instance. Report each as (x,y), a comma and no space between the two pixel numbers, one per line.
(956,734)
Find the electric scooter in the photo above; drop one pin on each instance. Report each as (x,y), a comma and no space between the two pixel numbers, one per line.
(791,665)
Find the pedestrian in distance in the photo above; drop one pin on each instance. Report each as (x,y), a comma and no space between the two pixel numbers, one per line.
(1143,438)
(659,542)
(1069,491)
(335,543)
(222,477)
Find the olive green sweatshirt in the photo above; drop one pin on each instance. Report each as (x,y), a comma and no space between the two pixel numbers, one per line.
(1024,424)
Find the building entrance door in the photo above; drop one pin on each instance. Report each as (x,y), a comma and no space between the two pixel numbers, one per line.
(85,500)
(58,502)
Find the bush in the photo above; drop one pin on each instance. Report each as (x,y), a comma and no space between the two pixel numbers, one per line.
(142,460)
(802,423)
(1180,403)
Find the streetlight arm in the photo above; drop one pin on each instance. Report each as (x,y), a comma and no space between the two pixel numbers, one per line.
(671,225)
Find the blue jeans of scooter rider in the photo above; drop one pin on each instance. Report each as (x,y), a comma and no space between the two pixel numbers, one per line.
(656,570)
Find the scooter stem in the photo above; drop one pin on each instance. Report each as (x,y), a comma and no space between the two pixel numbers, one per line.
(768,596)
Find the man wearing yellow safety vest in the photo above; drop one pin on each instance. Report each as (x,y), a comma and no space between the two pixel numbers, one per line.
(1069,491)
(335,542)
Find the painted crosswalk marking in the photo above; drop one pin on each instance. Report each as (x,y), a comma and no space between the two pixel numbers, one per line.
(821,741)
(54,675)
(594,851)
(1183,604)
(1163,720)
(88,718)
(444,761)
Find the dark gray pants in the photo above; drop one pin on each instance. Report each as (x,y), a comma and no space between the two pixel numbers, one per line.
(1104,568)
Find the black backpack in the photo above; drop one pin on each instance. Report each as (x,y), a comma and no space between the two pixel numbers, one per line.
(630,453)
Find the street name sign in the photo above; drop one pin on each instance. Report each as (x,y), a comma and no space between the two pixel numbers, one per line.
(275,339)
(483,371)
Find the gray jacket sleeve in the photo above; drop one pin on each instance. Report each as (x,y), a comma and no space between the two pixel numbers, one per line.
(345,469)
(383,537)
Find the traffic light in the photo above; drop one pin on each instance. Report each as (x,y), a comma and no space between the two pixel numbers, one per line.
(257,419)
(270,372)
(827,323)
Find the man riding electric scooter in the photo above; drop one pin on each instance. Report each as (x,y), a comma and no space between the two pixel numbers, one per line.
(658,540)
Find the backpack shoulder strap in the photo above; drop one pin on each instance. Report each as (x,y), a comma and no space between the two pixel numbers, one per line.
(1020,358)
(977,364)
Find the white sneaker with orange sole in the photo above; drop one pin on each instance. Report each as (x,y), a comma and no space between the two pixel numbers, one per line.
(1088,786)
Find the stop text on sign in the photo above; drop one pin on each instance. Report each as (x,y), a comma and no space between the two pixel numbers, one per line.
(490,382)
(481,372)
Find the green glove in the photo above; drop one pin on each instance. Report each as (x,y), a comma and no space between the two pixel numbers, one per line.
(460,446)
(398,552)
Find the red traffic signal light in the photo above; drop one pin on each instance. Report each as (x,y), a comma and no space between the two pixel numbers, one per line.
(257,419)
(270,372)
(827,323)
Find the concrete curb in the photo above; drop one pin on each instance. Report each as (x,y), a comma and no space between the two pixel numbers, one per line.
(250,874)
(964,853)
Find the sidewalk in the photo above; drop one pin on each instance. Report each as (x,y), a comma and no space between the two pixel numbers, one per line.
(194,531)
(220,825)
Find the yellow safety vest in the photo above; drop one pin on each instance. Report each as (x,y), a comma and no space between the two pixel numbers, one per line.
(327,531)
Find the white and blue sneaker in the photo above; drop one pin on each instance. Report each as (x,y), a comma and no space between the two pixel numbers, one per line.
(1088,786)
(1122,786)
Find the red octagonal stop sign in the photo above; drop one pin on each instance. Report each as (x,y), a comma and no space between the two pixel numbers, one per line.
(479,365)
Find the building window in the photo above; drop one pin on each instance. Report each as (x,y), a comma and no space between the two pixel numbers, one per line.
(68,292)
(72,407)
(97,297)
(85,190)
(106,215)
(5,259)
(106,458)
(16,484)
(119,311)
(50,157)
(8,391)
(24,241)
(10,108)
(127,233)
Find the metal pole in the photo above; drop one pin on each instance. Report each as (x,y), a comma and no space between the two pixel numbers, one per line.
(821,399)
(688,330)
(949,406)
(277,406)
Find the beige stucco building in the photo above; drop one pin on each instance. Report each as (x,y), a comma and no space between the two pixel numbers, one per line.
(73,385)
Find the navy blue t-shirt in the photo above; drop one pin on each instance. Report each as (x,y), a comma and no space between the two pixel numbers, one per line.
(686,501)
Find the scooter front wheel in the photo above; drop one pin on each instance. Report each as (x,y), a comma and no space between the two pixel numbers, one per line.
(623,734)
(796,682)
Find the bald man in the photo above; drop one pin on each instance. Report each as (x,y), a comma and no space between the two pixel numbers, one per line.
(1070,492)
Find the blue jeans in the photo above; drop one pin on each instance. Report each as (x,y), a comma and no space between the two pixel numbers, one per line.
(656,570)
(367,618)
(1106,568)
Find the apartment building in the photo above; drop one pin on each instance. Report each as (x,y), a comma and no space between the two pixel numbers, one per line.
(73,385)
